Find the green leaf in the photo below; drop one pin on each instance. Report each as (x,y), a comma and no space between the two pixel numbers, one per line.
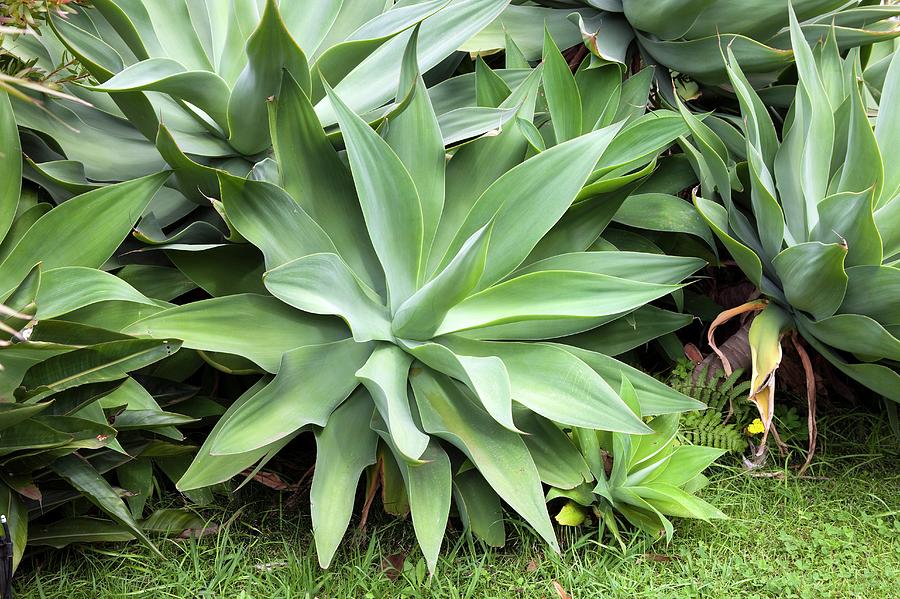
(311,382)
(270,50)
(499,455)
(267,217)
(663,212)
(654,397)
(631,331)
(526,201)
(813,277)
(384,375)
(887,130)
(69,288)
(717,218)
(490,88)
(207,469)
(389,201)
(555,384)
(204,89)
(856,334)
(428,487)
(561,91)
(85,230)
(847,218)
(421,315)
(314,176)
(324,284)
(551,294)
(80,474)
(863,167)
(479,507)
(558,461)
(413,132)
(485,376)
(873,291)
(107,361)
(344,448)
(11,169)
(224,324)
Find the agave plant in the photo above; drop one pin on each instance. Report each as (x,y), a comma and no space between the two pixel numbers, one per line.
(193,77)
(685,36)
(816,229)
(414,300)
(71,417)
(644,478)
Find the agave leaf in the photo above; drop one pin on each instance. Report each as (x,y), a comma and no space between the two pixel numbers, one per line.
(561,91)
(421,315)
(204,89)
(873,291)
(672,501)
(847,218)
(490,88)
(500,455)
(324,284)
(813,276)
(428,487)
(863,166)
(631,331)
(258,209)
(384,375)
(86,230)
(72,287)
(485,376)
(551,294)
(314,176)
(555,384)
(855,333)
(389,201)
(270,50)
(887,130)
(413,132)
(222,324)
(207,469)
(479,507)
(311,382)
(654,397)
(881,379)
(11,169)
(344,448)
(558,461)
(716,217)
(520,213)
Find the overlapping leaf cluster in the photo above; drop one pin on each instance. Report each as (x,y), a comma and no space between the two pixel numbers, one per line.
(426,262)
(815,228)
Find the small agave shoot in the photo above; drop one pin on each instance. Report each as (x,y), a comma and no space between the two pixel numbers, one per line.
(419,306)
(817,231)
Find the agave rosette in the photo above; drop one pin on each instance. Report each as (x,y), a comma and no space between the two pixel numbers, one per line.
(685,36)
(645,479)
(169,79)
(414,303)
(816,230)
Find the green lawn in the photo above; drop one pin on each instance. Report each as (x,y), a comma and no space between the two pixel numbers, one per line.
(834,535)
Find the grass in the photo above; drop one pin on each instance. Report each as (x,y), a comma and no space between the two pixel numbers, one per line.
(834,535)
